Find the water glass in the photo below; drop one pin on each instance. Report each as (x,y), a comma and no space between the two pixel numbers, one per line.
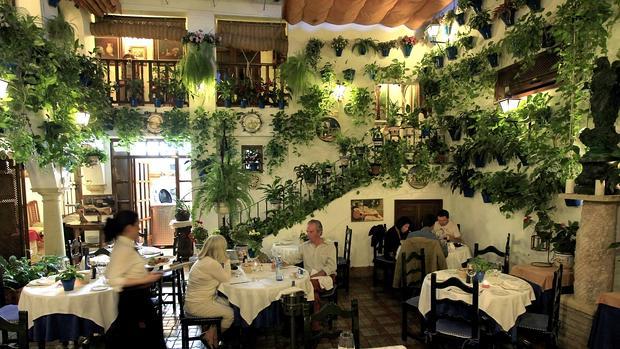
(346,340)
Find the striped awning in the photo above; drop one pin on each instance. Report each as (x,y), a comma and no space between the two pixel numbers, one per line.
(99,7)
(253,36)
(139,27)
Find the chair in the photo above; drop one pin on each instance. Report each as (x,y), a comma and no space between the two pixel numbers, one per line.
(328,312)
(411,290)
(379,260)
(493,249)
(545,324)
(344,263)
(75,251)
(12,320)
(34,219)
(331,295)
(187,320)
(441,326)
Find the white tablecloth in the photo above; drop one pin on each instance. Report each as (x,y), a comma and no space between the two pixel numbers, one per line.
(503,301)
(262,289)
(457,256)
(101,307)
(289,252)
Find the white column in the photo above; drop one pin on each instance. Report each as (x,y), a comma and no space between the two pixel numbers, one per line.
(52,220)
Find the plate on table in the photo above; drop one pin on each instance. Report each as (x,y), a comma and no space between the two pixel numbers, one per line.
(155,262)
(100,288)
(42,282)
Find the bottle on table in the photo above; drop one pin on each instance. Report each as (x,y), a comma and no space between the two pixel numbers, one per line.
(279,276)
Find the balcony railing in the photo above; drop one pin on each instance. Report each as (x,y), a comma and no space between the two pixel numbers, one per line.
(254,82)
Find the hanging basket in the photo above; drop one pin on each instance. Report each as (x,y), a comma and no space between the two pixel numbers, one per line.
(198,65)
(451,52)
(407,50)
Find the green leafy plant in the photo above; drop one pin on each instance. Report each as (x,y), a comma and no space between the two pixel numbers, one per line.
(175,126)
(313,51)
(372,71)
(223,183)
(225,89)
(18,272)
(480,20)
(364,45)
(339,43)
(297,73)
(327,73)
(129,125)
(199,232)
(565,237)
(524,39)
(182,211)
(360,105)
(481,265)
(70,273)
(60,31)
(135,89)
(274,192)
(93,155)
(198,63)
(385,46)
(177,89)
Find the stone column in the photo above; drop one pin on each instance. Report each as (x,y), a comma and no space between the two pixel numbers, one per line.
(52,220)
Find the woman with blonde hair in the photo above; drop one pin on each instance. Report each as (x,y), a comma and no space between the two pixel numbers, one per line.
(211,269)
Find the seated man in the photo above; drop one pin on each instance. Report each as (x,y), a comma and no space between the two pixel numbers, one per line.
(427,232)
(445,229)
(319,258)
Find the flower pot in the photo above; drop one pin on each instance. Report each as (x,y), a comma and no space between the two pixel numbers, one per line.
(501,160)
(534,5)
(385,52)
(573,202)
(455,133)
(157,102)
(479,276)
(68,285)
(451,52)
(493,59)
(523,159)
(438,61)
(134,102)
(349,74)
(261,104)
(338,52)
(407,50)
(486,197)
(468,42)
(228,102)
(179,102)
(281,104)
(85,80)
(479,160)
(243,103)
(567,260)
(485,31)
(277,204)
(460,18)
(53,3)
(375,169)
(468,191)
(508,17)
(447,29)
(361,50)
(547,38)
(426,132)
(182,216)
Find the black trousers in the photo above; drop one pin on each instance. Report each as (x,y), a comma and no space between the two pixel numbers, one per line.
(137,324)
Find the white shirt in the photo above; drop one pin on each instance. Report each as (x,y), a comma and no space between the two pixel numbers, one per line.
(450,228)
(320,258)
(125,263)
(204,278)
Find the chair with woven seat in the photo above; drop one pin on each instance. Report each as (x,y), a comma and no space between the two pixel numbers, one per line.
(12,320)
(187,320)
(344,262)
(327,313)
(545,324)
(441,326)
(410,290)
(492,249)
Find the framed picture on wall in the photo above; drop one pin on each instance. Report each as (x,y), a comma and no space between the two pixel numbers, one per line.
(108,48)
(168,50)
(367,210)
(138,52)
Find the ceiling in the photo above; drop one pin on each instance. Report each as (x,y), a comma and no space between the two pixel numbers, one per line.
(391,13)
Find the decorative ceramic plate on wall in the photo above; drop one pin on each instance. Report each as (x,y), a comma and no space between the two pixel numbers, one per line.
(414,182)
(153,123)
(328,129)
(254,181)
(251,122)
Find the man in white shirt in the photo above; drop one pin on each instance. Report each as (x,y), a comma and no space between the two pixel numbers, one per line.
(446,229)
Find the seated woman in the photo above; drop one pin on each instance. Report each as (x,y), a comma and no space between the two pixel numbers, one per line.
(393,236)
(211,269)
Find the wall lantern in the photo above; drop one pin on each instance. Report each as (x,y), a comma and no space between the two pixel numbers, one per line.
(338,92)
(82,118)
(509,104)
(432,30)
(4,87)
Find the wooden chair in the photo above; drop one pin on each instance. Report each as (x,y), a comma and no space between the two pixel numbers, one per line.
(329,311)
(411,290)
(12,320)
(493,249)
(441,326)
(75,251)
(34,219)
(187,320)
(381,262)
(344,263)
(545,324)
(331,295)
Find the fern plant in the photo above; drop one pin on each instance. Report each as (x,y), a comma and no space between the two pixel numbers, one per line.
(297,73)
(364,45)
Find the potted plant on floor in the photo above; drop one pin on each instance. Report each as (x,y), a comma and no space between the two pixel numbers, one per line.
(159,88)
(385,47)
(564,243)
(506,12)
(364,45)
(407,43)
(67,278)
(225,89)
(135,89)
(339,44)
(178,92)
(481,21)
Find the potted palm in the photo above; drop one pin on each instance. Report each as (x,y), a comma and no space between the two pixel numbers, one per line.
(224,185)
(67,278)
(364,45)
(339,44)
(482,22)
(135,89)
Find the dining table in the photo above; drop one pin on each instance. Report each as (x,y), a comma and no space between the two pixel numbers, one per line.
(605,331)
(503,301)
(541,279)
(254,289)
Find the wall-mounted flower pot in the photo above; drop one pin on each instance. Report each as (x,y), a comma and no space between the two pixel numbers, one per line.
(261,104)
(338,52)
(508,17)
(447,28)
(438,61)
(385,52)
(281,104)
(479,160)
(468,42)
(501,160)
(486,197)
(451,52)
(375,169)
(134,102)
(179,102)
(486,31)
(493,59)
(362,50)
(523,159)
(53,3)
(407,50)
(455,133)
(460,18)
(349,74)
(243,103)
(228,102)
(85,80)
(534,5)
(157,102)
(468,191)
(68,285)
(477,5)
(547,38)
(573,203)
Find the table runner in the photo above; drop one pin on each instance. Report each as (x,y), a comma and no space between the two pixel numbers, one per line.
(609,298)
(542,276)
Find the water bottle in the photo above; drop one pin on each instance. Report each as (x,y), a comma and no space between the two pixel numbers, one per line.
(279,276)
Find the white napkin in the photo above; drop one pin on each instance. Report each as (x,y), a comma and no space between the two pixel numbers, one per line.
(326,282)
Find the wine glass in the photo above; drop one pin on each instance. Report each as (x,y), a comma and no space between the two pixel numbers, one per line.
(346,340)
(471,272)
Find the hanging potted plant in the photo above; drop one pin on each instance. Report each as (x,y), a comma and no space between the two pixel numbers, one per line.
(372,70)
(451,51)
(455,127)
(225,91)
(475,4)
(198,63)
(465,41)
(349,74)
(364,45)
(339,44)
(564,242)
(385,47)
(438,59)
(506,12)
(482,22)
(313,51)
(67,278)
(491,52)
(407,43)
(135,89)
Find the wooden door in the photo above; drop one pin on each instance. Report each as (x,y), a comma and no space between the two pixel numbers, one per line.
(142,195)
(14,232)
(415,210)
(122,179)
